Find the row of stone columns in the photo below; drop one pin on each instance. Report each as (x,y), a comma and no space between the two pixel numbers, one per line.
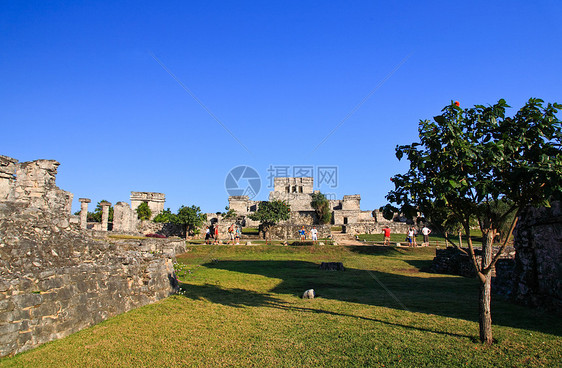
(84,213)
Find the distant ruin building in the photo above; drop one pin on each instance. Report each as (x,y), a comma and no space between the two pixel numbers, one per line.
(297,192)
(154,200)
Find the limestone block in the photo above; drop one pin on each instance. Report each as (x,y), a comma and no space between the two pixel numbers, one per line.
(7,178)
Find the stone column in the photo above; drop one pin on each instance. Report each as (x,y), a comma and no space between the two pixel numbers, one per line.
(104,215)
(84,212)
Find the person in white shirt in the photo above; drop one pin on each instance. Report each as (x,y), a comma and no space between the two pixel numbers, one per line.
(314,235)
(426,231)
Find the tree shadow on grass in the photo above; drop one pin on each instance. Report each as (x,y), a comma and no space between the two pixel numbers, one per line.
(448,296)
(379,250)
(241,298)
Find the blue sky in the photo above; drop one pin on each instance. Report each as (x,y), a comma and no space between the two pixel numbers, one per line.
(80,82)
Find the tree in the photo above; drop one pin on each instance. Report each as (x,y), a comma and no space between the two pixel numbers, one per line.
(230,214)
(190,218)
(269,214)
(469,161)
(143,211)
(164,216)
(321,206)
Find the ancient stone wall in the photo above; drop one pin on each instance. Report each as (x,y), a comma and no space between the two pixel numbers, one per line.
(538,262)
(7,177)
(125,219)
(376,228)
(454,262)
(167,229)
(55,279)
(291,231)
(293,185)
(33,182)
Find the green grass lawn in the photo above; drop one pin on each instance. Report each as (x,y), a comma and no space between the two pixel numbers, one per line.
(241,306)
(434,239)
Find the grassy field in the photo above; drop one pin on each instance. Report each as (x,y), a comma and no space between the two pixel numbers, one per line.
(436,240)
(241,306)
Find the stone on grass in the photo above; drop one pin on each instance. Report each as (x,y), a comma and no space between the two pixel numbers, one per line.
(332,266)
(309,294)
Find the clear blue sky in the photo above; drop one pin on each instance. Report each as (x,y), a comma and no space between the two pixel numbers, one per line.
(80,83)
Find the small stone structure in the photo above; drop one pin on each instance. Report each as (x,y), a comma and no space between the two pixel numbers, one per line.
(55,278)
(155,201)
(454,262)
(537,275)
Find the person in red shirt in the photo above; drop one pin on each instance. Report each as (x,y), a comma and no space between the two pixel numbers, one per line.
(216,234)
(386,232)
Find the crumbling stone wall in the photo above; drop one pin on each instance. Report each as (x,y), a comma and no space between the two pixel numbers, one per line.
(538,261)
(125,219)
(7,178)
(291,231)
(376,228)
(55,279)
(454,262)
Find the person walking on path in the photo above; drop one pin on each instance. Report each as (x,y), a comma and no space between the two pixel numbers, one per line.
(425,232)
(386,232)
(207,236)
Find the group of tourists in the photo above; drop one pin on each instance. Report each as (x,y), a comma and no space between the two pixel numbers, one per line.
(313,234)
(212,234)
(410,237)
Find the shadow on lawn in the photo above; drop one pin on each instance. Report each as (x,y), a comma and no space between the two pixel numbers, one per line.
(239,298)
(448,296)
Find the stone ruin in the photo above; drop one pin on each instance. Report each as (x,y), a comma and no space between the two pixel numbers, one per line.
(297,192)
(537,272)
(155,201)
(530,272)
(55,277)
(125,218)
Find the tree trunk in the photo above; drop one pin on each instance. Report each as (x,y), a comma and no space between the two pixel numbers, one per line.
(460,239)
(485,318)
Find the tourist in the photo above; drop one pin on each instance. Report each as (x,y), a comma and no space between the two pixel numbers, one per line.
(216,234)
(314,235)
(410,237)
(414,236)
(302,233)
(231,233)
(425,232)
(386,232)
(207,235)
(238,234)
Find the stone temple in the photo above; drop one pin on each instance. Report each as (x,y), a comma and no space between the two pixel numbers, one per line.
(297,192)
